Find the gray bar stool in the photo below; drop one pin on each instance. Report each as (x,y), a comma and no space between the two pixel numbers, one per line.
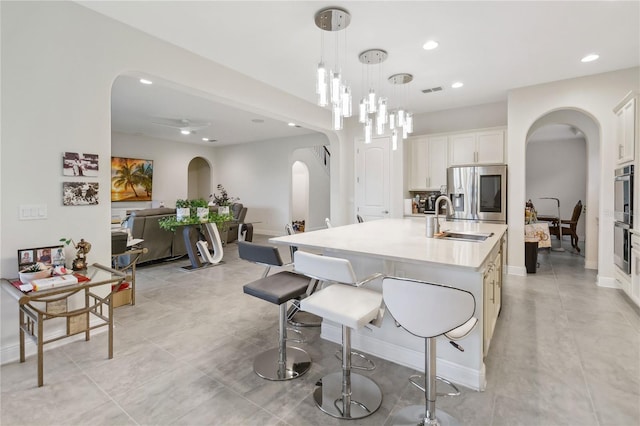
(284,362)
(343,395)
(428,310)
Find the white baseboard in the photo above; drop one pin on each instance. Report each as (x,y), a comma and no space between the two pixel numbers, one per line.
(456,373)
(608,282)
(520,271)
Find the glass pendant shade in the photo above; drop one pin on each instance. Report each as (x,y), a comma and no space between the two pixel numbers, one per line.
(367,131)
(347,110)
(372,106)
(409,122)
(382,110)
(321,77)
(400,118)
(379,125)
(392,120)
(336,113)
(323,99)
(336,82)
(404,132)
(362,111)
(394,139)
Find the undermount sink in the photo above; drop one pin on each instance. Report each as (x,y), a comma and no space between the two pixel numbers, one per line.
(476,237)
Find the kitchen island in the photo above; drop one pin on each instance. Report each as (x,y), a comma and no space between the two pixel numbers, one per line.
(399,247)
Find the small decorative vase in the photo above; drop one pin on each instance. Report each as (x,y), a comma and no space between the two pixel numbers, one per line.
(203,213)
(182,214)
(223,210)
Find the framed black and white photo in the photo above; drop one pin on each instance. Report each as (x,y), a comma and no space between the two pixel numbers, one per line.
(79,164)
(80,193)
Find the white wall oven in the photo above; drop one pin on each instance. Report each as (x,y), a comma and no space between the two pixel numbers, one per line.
(623,218)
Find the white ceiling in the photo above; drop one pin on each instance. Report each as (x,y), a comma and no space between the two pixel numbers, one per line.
(490,46)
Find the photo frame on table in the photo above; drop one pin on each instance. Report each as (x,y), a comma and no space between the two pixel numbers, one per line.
(80,193)
(79,164)
(48,255)
(131,179)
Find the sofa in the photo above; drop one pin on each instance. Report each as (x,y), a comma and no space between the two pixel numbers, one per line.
(160,243)
(166,244)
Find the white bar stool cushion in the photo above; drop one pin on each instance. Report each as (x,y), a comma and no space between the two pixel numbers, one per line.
(349,306)
(325,268)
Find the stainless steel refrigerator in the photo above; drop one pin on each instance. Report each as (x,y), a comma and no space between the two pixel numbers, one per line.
(478,193)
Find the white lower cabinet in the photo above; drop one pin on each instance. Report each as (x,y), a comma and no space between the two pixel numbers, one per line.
(492,291)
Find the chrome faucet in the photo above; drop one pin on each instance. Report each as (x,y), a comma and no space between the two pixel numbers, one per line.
(437,206)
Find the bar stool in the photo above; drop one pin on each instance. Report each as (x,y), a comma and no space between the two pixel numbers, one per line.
(284,362)
(428,310)
(343,394)
(292,313)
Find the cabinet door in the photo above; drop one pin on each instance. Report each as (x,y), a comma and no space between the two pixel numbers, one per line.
(626,131)
(490,147)
(437,162)
(629,111)
(487,315)
(462,149)
(418,176)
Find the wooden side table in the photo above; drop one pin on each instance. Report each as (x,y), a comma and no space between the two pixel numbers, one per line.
(36,307)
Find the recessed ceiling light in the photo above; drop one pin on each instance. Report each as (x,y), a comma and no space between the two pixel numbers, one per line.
(209,140)
(185,132)
(590,57)
(430,45)
(291,124)
(457,85)
(145,81)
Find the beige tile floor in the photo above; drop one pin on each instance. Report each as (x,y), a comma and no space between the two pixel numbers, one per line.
(565,352)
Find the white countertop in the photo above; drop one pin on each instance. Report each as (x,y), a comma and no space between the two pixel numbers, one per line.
(402,240)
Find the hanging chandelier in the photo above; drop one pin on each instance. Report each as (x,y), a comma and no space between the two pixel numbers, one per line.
(400,120)
(330,87)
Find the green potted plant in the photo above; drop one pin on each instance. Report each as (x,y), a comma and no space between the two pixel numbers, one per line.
(183,210)
(223,201)
(200,209)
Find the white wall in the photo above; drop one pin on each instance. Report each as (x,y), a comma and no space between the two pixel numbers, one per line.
(595,96)
(558,168)
(260,174)
(453,120)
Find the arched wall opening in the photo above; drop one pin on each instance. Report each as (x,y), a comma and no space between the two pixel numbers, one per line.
(199,179)
(299,192)
(571,170)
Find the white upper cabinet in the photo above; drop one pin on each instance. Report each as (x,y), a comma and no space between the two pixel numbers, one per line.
(482,147)
(626,128)
(428,163)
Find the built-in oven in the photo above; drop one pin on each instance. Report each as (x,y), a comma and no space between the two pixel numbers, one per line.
(623,217)
(622,246)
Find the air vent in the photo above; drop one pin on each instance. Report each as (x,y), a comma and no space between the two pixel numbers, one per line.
(433,89)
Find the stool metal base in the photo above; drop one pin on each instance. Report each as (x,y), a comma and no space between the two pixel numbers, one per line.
(366,396)
(266,364)
(414,416)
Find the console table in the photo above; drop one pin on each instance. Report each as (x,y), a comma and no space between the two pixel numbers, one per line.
(36,307)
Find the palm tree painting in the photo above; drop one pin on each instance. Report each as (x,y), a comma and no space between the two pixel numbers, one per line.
(131,179)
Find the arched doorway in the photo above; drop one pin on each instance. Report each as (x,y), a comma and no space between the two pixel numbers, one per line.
(299,192)
(563,161)
(199,179)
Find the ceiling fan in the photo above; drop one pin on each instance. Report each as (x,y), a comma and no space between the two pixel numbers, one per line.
(186,126)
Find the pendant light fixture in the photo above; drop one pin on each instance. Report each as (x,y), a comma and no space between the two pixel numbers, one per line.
(401,120)
(373,106)
(330,86)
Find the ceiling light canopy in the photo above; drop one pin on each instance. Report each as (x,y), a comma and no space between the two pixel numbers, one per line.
(590,57)
(145,81)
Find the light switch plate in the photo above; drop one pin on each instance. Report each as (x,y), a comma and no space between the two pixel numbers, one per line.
(32,212)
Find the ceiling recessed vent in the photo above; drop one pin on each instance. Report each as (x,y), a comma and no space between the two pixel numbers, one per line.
(433,89)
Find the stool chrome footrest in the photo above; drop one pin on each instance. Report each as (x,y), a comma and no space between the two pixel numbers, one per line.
(419,384)
(371,366)
(414,415)
(294,311)
(366,396)
(297,363)
(299,333)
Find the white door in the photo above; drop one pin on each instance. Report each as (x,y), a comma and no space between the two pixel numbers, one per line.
(373,179)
